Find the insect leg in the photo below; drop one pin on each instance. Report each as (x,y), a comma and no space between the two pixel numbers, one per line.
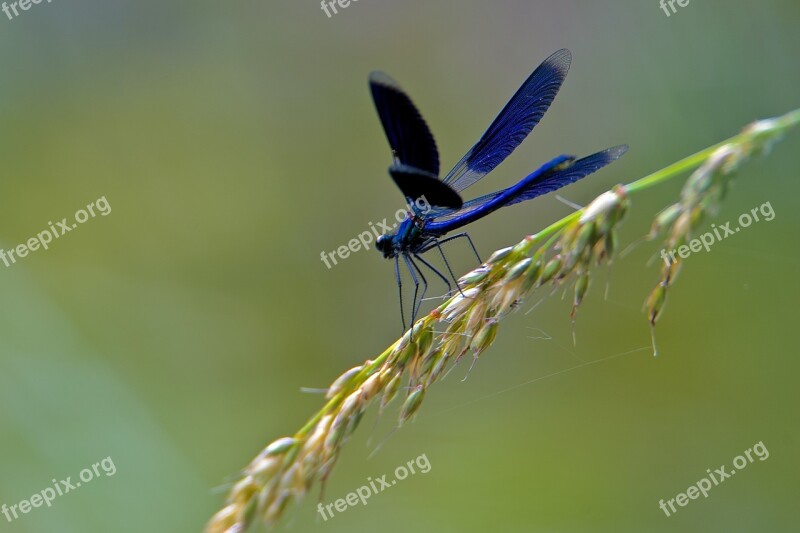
(458,236)
(399,289)
(435,271)
(417,302)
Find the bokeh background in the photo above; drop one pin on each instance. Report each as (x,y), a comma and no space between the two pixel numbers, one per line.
(235,141)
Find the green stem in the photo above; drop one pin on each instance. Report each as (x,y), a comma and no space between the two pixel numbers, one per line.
(679,167)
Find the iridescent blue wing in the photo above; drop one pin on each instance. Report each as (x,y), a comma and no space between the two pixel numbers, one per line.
(525,109)
(578,170)
(409,137)
(555,174)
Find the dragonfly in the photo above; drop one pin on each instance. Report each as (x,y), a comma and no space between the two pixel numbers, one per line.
(435,206)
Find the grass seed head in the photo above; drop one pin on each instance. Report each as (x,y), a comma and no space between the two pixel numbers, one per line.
(581,286)
(550,270)
(655,303)
(342,381)
(391,389)
(412,403)
(499,255)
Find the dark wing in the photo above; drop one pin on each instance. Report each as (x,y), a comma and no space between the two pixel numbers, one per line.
(416,184)
(409,137)
(525,109)
(442,219)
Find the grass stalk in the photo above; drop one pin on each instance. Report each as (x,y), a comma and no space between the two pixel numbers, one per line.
(564,252)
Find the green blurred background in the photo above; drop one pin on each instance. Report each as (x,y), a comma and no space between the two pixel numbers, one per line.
(235,141)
